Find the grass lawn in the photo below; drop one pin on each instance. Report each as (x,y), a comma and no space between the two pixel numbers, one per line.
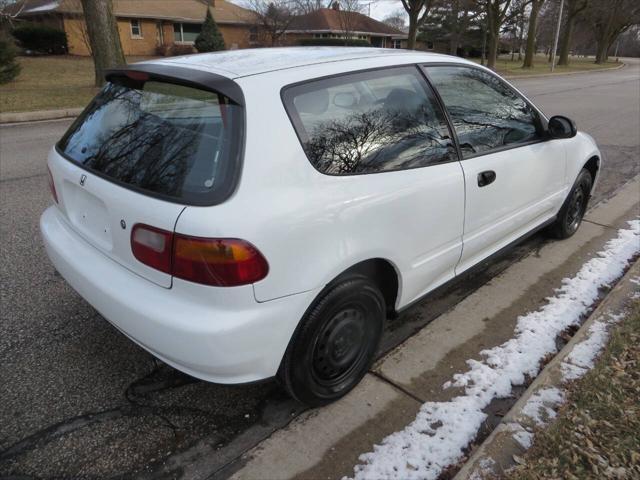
(597,433)
(505,66)
(50,82)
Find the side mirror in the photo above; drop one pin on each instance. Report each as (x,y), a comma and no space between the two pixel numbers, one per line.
(562,127)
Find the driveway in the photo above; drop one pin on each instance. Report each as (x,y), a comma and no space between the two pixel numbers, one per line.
(79,399)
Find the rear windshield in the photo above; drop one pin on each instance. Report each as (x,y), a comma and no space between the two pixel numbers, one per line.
(172,141)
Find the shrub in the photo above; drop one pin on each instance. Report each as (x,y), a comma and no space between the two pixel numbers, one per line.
(178,49)
(334,42)
(9,67)
(210,39)
(41,38)
(163,50)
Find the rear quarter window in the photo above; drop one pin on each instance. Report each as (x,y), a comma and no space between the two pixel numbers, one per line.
(370,122)
(168,140)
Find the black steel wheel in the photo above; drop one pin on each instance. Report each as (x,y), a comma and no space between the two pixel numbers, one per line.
(335,342)
(573,210)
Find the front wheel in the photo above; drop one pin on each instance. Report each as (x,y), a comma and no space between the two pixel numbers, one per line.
(572,211)
(335,344)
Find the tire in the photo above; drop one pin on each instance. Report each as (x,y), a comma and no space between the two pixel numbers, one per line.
(335,343)
(570,215)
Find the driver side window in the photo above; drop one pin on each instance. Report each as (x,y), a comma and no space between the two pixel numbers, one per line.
(486,113)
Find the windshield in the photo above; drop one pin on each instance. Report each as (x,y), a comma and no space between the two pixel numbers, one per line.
(172,141)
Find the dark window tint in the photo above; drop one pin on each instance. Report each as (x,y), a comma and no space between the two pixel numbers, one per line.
(171,140)
(485,111)
(370,122)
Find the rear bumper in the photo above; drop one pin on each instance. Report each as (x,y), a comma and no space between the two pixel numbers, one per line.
(220,335)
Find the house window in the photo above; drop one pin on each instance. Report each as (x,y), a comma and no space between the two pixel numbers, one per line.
(253,34)
(136,29)
(186,32)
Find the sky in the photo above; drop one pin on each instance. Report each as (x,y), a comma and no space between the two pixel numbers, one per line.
(380,9)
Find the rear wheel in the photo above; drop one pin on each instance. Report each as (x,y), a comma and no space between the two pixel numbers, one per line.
(335,343)
(570,215)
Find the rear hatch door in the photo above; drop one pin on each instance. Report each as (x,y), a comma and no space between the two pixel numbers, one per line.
(145,148)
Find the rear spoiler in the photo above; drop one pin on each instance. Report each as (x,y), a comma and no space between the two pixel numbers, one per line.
(181,75)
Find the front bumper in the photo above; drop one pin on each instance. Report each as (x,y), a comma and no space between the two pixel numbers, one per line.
(220,335)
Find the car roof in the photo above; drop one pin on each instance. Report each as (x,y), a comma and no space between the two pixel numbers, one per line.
(241,63)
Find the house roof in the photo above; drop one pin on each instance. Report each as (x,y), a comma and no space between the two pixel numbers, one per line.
(335,20)
(176,10)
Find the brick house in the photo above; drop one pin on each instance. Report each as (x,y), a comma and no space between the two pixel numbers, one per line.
(146,27)
(339,24)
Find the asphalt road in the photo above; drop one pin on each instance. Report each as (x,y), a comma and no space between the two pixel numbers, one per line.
(79,399)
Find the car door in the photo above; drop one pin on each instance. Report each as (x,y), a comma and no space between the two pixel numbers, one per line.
(389,165)
(514,178)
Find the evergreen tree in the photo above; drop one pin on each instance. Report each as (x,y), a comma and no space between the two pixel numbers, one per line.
(9,67)
(210,39)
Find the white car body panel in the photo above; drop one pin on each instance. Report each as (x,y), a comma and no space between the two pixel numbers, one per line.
(309,226)
(528,190)
(96,208)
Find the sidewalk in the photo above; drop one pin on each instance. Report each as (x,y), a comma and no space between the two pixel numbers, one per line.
(326,443)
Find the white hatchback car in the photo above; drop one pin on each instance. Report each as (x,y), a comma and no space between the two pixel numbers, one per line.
(260,213)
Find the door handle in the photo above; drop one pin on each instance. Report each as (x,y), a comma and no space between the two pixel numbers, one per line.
(486,177)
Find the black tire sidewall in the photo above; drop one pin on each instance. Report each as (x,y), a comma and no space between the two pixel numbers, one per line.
(560,228)
(298,362)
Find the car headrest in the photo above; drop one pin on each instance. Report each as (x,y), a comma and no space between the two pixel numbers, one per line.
(402,99)
(315,102)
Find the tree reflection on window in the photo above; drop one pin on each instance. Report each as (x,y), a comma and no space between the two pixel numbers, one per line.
(373,122)
(485,112)
(161,141)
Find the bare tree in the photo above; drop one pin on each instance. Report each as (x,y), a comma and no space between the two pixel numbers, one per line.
(302,7)
(395,20)
(574,9)
(418,11)
(459,14)
(496,12)
(609,18)
(79,30)
(516,23)
(103,36)
(346,10)
(273,18)
(530,51)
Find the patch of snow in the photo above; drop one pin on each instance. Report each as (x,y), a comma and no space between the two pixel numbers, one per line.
(521,435)
(442,430)
(572,372)
(541,406)
(635,280)
(582,357)
(585,352)
(486,466)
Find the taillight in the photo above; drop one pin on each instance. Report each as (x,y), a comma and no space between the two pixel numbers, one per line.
(222,262)
(52,186)
(152,246)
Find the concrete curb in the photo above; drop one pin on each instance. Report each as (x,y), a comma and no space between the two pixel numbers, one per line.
(562,74)
(495,455)
(21,117)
